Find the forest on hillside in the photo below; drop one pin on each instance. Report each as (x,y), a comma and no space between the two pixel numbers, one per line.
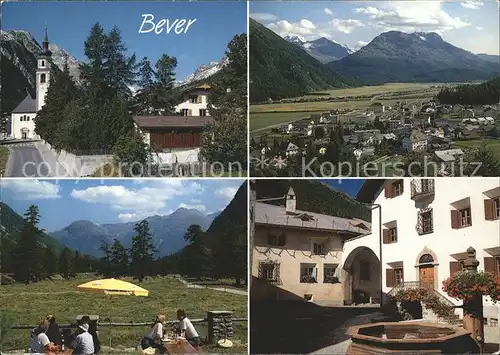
(487,93)
(218,253)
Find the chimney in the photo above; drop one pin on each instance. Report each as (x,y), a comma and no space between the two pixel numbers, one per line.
(291,201)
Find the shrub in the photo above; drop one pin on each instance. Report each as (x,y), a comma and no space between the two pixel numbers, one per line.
(426,297)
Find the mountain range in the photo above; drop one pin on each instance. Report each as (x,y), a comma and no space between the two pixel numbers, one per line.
(322,48)
(167,231)
(396,56)
(291,67)
(18,65)
(280,69)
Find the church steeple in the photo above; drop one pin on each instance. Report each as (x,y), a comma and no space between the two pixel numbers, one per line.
(45,43)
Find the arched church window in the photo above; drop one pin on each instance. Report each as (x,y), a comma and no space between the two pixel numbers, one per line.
(43,63)
(426,258)
(42,78)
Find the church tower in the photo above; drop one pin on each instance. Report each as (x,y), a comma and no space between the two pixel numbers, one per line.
(43,73)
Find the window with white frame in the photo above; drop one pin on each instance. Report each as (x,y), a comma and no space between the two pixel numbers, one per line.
(308,273)
(330,273)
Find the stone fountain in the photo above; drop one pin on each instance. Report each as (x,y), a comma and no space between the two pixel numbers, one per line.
(425,337)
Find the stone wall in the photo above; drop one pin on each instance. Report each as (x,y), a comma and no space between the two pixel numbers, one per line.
(219,322)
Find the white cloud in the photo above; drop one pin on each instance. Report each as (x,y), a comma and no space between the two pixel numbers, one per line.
(345,26)
(412,17)
(199,207)
(359,45)
(479,28)
(145,199)
(28,189)
(302,28)
(328,11)
(227,192)
(264,17)
(473,5)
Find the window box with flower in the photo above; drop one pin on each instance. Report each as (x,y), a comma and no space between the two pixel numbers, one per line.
(331,280)
(308,279)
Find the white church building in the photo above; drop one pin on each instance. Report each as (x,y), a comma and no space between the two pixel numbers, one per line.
(24,115)
(421,229)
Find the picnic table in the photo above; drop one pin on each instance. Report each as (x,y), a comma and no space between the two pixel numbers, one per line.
(179,346)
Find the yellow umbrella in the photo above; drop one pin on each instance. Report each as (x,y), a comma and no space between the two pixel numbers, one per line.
(113,287)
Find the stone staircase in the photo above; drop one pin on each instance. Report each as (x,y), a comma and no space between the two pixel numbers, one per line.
(427,314)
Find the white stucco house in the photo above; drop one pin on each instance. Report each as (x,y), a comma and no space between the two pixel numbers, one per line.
(416,142)
(421,229)
(24,115)
(194,102)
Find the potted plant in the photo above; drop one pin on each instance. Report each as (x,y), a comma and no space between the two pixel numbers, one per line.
(465,285)
(426,297)
(308,279)
(331,279)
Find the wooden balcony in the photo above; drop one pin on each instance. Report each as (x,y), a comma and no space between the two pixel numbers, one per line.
(421,188)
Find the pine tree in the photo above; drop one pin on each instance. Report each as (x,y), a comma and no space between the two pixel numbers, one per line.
(66,263)
(165,96)
(145,96)
(141,253)
(197,257)
(490,164)
(132,154)
(29,265)
(51,262)
(119,258)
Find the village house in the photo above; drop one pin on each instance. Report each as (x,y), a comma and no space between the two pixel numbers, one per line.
(175,139)
(24,115)
(297,254)
(377,107)
(415,142)
(422,229)
(194,101)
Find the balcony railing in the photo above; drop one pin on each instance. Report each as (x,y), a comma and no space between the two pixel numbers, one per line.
(421,188)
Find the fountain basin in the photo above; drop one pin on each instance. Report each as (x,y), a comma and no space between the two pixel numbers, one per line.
(410,337)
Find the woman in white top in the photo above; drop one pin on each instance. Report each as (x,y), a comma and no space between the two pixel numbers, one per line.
(187,329)
(153,338)
(40,342)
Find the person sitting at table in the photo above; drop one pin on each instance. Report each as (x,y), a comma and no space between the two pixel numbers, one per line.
(154,337)
(40,342)
(83,343)
(93,332)
(187,329)
(53,333)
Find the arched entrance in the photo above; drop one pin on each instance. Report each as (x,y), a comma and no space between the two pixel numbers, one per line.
(361,277)
(426,270)
(24,133)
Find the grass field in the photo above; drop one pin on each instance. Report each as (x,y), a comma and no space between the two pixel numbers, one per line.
(271,115)
(493,144)
(4,156)
(26,304)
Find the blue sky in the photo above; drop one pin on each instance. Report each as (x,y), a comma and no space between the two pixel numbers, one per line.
(471,25)
(62,202)
(69,24)
(349,186)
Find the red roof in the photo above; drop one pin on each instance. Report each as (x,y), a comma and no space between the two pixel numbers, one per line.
(173,121)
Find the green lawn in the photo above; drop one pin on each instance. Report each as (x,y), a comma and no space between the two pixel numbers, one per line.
(377,89)
(4,156)
(26,304)
(258,121)
(493,144)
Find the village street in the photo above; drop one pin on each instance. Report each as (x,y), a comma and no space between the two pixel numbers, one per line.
(25,160)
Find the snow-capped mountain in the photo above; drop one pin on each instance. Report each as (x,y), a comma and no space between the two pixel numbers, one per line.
(204,71)
(59,56)
(322,49)
(295,39)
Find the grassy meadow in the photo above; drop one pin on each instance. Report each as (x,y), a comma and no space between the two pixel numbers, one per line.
(26,304)
(266,116)
(493,144)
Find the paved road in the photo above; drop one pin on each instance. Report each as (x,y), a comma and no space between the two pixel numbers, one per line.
(25,161)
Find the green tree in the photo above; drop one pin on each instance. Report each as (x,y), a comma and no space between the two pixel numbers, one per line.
(141,253)
(29,264)
(119,258)
(490,164)
(67,263)
(197,256)
(165,95)
(131,153)
(51,261)
(145,96)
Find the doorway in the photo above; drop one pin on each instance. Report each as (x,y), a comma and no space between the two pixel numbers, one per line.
(24,134)
(426,270)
